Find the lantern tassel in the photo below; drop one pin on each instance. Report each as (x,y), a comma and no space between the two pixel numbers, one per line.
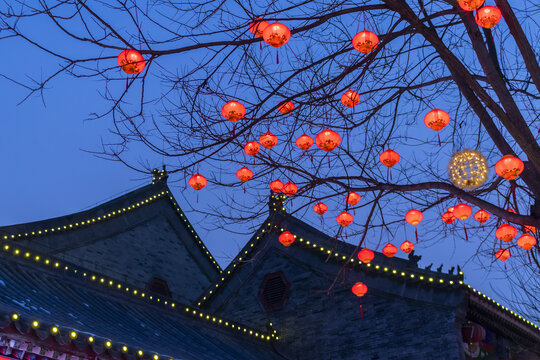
(466,235)
(361,311)
(416,234)
(277,56)
(529,255)
(127,83)
(244,188)
(260,45)
(439,138)
(197,197)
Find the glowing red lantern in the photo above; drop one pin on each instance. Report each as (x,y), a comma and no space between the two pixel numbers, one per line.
(344,219)
(320,208)
(389,158)
(353,198)
(244,174)
(359,289)
(131,61)
(286,238)
(268,140)
(365,41)
(436,119)
(290,189)
(506,232)
(233,111)
(257,27)
(482,216)
(526,241)
(276,186)
(407,246)
(470,5)
(366,255)
(285,107)
(502,254)
(462,211)
(448,217)
(276,34)
(350,98)
(304,142)
(509,167)
(472,333)
(252,148)
(389,250)
(414,217)
(488,16)
(328,140)
(197,181)
(530,228)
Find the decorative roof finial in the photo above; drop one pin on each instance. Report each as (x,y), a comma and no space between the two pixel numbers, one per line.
(159,175)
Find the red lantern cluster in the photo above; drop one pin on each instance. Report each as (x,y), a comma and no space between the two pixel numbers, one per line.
(482,216)
(526,241)
(414,217)
(252,148)
(359,289)
(233,111)
(365,41)
(389,158)
(268,140)
(276,34)
(509,167)
(131,61)
(407,246)
(448,217)
(276,186)
(285,107)
(320,208)
(290,189)
(350,98)
(353,198)
(502,254)
(389,250)
(436,119)
(328,140)
(304,142)
(470,5)
(506,232)
(286,238)
(197,182)
(462,211)
(344,219)
(488,16)
(366,255)
(244,174)
(257,27)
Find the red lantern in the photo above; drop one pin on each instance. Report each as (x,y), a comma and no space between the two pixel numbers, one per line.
(286,238)
(285,107)
(365,41)
(530,228)
(276,186)
(414,217)
(359,289)
(233,111)
(462,211)
(320,208)
(482,216)
(244,174)
(436,119)
(472,333)
(353,198)
(407,246)
(350,98)
(470,5)
(257,27)
(389,158)
(502,254)
(131,61)
(389,250)
(268,140)
(506,232)
(526,241)
(344,219)
(290,189)
(488,16)
(511,210)
(328,140)
(252,148)
(276,34)
(304,142)
(197,181)
(366,255)
(448,217)
(509,167)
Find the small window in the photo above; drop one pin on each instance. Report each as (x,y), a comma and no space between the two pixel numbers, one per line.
(274,291)
(159,286)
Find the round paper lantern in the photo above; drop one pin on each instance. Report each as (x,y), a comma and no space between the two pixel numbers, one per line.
(389,158)
(448,217)
(468,169)
(244,174)
(286,238)
(328,140)
(350,98)
(257,27)
(252,148)
(344,219)
(482,216)
(290,189)
(526,241)
(353,198)
(472,333)
(462,211)
(276,186)
(407,246)
(506,232)
(530,228)
(359,289)
(304,142)
(502,254)
(509,167)
(436,119)
(365,41)
(131,61)
(197,181)
(470,5)
(320,208)
(389,250)
(487,16)
(268,140)
(366,255)
(276,34)
(233,111)
(285,107)
(414,217)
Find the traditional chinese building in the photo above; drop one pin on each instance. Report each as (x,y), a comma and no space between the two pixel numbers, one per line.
(131,279)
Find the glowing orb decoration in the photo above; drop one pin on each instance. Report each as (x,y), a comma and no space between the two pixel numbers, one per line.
(468,169)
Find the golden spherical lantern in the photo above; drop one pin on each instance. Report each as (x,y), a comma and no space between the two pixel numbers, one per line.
(468,169)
